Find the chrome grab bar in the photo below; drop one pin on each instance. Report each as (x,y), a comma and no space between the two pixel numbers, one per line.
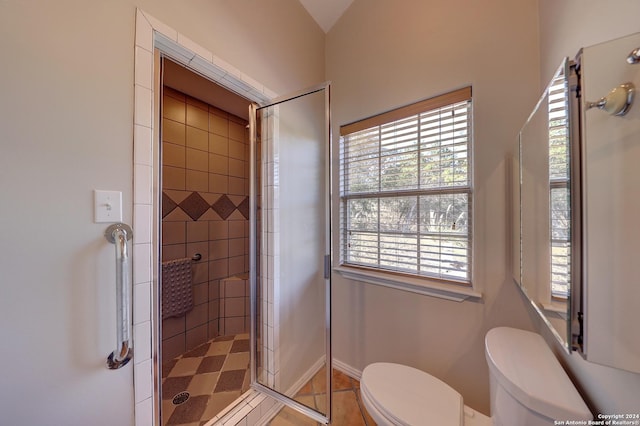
(119,234)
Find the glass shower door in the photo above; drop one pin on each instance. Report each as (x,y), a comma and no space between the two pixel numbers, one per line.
(290,246)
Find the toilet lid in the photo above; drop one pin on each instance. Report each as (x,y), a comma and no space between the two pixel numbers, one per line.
(410,397)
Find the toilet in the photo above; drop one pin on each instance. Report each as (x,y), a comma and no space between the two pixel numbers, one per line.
(527,384)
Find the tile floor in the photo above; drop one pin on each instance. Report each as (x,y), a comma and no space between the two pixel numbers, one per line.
(214,374)
(348,409)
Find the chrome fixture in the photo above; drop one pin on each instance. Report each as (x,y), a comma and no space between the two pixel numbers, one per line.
(617,102)
(634,56)
(119,234)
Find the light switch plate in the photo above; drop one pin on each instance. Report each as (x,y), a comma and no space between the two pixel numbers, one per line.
(107,206)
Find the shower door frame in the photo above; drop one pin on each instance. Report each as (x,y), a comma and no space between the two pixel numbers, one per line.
(255,253)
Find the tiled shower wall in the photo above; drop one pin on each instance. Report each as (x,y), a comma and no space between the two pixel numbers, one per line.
(205,210)
(269,265)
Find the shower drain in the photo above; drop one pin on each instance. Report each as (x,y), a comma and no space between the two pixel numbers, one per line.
(180,398)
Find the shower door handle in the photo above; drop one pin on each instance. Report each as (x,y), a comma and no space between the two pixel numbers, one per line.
(119,234)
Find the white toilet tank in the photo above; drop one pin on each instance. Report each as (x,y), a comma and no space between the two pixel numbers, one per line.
(528,385)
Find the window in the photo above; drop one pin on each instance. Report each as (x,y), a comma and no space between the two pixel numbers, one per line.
(405,189)
(559,191)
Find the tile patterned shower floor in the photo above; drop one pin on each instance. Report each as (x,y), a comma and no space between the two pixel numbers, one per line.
(214,374)
(348,409)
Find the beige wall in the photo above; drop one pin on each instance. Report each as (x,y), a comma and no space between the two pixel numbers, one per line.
(380,56)
(568,25)
(66,128)
(565,27)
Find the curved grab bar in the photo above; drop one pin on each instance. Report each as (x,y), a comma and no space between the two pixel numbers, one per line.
(119,234)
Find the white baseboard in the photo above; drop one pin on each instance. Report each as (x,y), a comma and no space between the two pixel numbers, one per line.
(308,375)
(293,389)
(350,371)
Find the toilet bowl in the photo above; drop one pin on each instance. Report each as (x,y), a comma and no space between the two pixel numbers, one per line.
(395,394)
(528,388)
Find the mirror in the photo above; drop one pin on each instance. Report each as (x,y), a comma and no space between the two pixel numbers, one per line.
(575,232)
(543,219)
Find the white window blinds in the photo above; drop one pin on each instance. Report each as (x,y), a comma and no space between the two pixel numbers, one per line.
(559,193)
(406,189)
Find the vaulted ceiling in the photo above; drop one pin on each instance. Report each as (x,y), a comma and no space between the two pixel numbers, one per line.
(326,12)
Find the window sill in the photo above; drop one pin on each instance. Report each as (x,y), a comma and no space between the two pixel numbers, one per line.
(413,285)
(557,308)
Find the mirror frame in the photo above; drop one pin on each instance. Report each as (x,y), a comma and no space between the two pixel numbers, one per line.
(573,316)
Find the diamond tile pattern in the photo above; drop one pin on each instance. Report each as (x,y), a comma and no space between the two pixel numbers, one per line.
(194,205)
(168,205)
(218,382)
(230,380)
(243,208)
(210,374)
(224,207)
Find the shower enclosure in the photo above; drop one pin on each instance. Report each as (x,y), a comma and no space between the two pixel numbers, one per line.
(204,286)
(245,219)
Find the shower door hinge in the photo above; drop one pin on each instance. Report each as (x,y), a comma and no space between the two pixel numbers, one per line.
(327,266)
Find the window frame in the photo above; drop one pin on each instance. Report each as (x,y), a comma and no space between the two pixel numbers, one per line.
(559,91)
(448,287)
